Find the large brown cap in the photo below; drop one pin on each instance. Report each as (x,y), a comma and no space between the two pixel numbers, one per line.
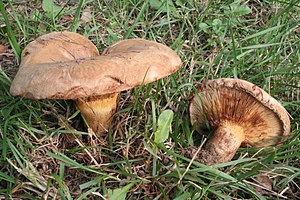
(122,66)
(235,102)
(58,47)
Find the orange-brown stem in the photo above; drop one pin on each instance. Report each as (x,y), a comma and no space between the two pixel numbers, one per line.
(222,146)
(98,111)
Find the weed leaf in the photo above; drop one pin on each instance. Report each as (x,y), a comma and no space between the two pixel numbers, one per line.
(49,7)
(159,4)
(164,126)
(120,193)
(164,6)
(237,9)
(184,196)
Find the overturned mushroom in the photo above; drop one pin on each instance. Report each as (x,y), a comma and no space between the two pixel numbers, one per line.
(67,66)
(240,113)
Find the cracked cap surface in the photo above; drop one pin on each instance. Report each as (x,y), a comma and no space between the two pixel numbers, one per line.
(123,65)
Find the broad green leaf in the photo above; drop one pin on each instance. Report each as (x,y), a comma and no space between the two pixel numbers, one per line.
(237,9)
(184,196)
(120,193)
(163,6)
(155,4)
(163,126)
(204,27)
(50,8)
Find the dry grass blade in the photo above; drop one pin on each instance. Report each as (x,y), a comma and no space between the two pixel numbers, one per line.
(37,182)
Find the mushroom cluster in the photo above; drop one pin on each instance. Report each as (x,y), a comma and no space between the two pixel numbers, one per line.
(65,65)
(240,113)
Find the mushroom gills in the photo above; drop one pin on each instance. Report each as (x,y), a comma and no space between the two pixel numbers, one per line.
(98,111)
(237,118)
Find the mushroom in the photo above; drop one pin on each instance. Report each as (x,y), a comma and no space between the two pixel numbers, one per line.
(240,113)
(65,65)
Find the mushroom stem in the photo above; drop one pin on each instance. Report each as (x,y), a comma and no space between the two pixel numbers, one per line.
(223,145)
(98,111)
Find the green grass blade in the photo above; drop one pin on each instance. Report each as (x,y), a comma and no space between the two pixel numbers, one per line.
(11,35)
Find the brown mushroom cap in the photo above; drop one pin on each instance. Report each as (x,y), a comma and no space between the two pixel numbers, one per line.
(240,104)
(58,47)
(122,66)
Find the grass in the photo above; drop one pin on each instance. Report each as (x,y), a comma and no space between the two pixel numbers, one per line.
(253,40)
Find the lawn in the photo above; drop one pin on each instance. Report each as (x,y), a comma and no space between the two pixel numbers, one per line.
(47,151)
